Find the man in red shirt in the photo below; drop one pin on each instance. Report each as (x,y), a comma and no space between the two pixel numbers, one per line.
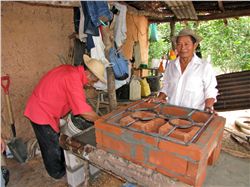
(59,92)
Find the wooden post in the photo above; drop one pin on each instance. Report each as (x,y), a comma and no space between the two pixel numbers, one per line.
(111,88)
(172,32)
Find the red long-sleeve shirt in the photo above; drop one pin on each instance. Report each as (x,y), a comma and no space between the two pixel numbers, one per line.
(58,92)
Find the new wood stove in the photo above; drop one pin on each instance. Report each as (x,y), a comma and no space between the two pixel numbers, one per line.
(175,141)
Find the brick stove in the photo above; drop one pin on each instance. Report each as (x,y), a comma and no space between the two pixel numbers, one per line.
(175,141)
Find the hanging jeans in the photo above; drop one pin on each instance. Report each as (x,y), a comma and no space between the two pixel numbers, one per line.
(52,153)
(97,9)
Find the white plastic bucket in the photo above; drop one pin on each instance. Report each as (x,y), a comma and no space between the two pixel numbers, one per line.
(67,127)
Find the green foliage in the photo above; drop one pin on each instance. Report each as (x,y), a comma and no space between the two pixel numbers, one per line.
(158,49)
(228,45)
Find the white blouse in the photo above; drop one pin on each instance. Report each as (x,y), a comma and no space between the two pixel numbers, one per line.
(193,87)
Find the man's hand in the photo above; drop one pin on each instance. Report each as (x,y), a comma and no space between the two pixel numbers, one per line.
(210,110)
(156,100)
(162,98)
(90,116)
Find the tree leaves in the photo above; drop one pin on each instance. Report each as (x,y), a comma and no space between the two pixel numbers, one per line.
(229,46)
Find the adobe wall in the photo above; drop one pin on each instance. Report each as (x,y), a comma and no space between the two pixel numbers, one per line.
(33,37)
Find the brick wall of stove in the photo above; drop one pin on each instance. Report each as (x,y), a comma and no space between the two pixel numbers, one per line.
(186,163)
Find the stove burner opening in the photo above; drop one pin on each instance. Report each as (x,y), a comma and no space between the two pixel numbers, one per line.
(181,123)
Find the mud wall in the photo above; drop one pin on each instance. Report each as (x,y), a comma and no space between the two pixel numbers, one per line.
(32,38)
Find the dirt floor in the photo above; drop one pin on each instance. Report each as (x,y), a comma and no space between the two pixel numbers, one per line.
(229,171)
(33,174)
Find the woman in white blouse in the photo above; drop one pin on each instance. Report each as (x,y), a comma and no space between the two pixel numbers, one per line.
(189,81)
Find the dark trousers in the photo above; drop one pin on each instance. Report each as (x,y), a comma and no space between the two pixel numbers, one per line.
(52,153)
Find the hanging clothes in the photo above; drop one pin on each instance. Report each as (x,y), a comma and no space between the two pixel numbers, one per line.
(89,27)
(153,32)
(79,45)
(98,11)
(120,25)
(137,54)
(82,35)
(98,51)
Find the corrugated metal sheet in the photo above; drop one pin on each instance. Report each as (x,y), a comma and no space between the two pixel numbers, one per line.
(234,91)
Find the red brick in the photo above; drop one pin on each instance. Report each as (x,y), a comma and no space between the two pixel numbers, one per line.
(216,153)
(143,115)
(201,178)
(192,152)
(200,117)
(192,169)
(126,120)
(213,131)
(118,110)
(175,111)
(211,136)
(194,180)
(168,161)
(149,126)
(100,124)
(147,139)
(139,153)
(116,145)
(180,134)
(98,135)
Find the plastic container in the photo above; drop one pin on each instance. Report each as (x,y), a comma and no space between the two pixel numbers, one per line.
(68,127)
(154,83)
(134,89)
(145,89)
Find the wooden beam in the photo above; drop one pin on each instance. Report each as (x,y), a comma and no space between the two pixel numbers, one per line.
(132,10)
(172,32)
(232,14)
(66,4)
(220,3)
(69,4)
(221,7)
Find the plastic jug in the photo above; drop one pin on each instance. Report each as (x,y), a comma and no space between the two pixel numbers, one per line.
(134,89)
(145,89)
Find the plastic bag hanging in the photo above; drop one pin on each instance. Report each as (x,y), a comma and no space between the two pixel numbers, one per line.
(153,32)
